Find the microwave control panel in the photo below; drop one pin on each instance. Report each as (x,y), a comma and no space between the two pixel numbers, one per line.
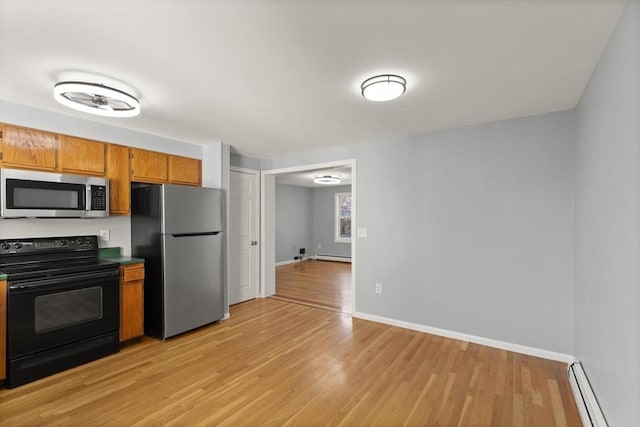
(98,197)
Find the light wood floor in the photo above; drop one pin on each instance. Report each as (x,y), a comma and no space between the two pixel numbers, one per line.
(324,284)
(275,363)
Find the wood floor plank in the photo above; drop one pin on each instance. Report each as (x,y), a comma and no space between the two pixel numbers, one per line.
(323,284)
(275,363)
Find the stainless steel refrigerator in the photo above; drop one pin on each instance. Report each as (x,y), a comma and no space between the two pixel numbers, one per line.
(178,232)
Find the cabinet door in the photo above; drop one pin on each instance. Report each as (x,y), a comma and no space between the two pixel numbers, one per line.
(131,302)
(117,170)
(3,328)
(81,156)
(1,144)
(28,148)
(148,166)
(183,170)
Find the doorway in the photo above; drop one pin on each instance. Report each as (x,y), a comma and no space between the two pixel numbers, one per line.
(308,255)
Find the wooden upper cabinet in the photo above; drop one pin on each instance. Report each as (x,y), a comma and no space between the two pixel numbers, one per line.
(29,148)
(148,166)
(117,170)
(25,148)
(1,133)
(184,170)
(81,156)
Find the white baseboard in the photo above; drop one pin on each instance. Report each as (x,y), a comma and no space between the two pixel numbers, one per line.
(332,258)
(226,316)
(318,257)
(518,348)
(588,407)
(289,261)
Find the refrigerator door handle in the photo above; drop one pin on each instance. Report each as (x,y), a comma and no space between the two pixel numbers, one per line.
(207,233)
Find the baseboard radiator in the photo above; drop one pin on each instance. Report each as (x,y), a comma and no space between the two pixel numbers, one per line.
(586,402)
(339,258)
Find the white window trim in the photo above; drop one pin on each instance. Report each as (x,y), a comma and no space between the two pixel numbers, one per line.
(336,222)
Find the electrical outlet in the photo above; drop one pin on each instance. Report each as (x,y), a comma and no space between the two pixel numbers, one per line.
(104,235)
(378,288)
(361,232)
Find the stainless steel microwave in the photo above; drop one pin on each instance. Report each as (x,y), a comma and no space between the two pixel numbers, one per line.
(48,195)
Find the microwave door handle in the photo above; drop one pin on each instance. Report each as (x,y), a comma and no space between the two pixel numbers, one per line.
(87,198)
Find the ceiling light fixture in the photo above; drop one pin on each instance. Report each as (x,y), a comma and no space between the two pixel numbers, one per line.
(326,179)
(384,87)
(97,99)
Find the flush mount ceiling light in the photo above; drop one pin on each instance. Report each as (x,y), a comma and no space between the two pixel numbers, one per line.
(384,87)
(97,99)
(326,179)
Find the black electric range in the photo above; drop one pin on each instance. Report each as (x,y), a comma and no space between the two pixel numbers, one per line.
(63,305)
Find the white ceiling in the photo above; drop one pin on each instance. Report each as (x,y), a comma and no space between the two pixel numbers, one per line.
(270,77)
(305,178)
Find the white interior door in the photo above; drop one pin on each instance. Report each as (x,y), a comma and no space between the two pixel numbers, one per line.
(243,235)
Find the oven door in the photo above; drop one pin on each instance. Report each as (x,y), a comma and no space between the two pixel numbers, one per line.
(42,194)
(55,311)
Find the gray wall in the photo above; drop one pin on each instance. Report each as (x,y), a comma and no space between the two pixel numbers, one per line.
(323,222)
(245,162)
(293,221)
(469,229)
(607,261)
(118,226)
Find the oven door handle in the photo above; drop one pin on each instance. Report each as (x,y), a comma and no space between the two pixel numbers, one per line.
(60,280)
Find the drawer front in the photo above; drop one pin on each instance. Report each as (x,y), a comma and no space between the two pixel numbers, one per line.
(131,273)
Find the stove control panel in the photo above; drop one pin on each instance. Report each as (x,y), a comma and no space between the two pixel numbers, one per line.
(48,244)
(15,246)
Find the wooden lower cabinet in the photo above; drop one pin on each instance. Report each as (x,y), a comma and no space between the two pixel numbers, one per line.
(3,329)
(131,301)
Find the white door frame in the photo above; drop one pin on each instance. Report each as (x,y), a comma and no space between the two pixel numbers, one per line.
(267,284)
(259,220)
(244,170)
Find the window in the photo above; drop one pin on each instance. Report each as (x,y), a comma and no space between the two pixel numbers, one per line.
(343,218)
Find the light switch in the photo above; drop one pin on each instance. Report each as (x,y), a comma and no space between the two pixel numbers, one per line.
(362,232)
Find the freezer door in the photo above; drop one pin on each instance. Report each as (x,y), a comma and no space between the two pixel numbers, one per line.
(192,282)
(191,209)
